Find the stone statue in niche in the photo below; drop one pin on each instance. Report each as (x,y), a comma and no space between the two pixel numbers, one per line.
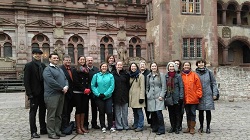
(21,46)
(122,54)
(60,51)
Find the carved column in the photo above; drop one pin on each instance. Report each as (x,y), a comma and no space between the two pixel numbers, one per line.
(224,17)
(238,18)
(225,56)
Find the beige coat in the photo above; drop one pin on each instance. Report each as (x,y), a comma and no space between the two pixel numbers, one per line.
(136,92)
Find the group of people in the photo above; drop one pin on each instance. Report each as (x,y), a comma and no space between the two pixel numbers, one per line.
(112,89)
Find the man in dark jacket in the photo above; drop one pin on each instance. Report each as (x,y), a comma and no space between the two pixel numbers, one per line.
(92,70)
(145,72)
(68,102)
(33,82)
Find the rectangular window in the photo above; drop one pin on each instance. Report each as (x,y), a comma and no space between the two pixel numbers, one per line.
(191,7)
(192,48)
(138,1)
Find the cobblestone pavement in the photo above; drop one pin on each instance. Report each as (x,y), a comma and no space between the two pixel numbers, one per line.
(230,120)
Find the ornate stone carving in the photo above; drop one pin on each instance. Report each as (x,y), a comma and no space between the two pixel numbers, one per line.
(60,51)
(58,33)
(226,32)
(122,53)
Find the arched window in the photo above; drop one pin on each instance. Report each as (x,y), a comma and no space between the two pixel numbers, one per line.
(7,49)
(244,15)
(106,47)
(40,41)
(7,46)
(75,47)
(135,44)
(231,15)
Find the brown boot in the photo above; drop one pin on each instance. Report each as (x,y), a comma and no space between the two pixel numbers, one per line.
(78,124)
(82,123)
(188,129)
(192,130)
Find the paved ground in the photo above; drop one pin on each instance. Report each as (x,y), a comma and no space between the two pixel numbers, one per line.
(230,120)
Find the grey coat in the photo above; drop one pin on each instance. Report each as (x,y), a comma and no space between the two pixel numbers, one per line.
(178,92)
(207,102)
(155,88)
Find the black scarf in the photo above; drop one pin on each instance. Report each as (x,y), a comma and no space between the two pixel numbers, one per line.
(40,69)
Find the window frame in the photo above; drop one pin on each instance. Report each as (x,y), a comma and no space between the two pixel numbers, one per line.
(192,48)
(187,4)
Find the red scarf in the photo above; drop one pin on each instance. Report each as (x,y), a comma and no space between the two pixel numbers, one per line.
(170,82)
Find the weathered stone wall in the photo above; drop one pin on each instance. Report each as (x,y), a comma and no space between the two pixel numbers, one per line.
(233,82)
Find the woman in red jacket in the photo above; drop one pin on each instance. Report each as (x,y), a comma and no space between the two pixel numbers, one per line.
(192,94)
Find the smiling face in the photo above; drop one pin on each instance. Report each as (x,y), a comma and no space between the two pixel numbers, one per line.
(133,68)
(201,64)
(119,66)
(54,59)
(104,68)
(186,66)
(111,60)
(67,61)
(37,56)
(142,66)
(171,68)
(82,61)
(154,67)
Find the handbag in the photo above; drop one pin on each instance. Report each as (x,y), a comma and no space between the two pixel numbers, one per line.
(168,100)
(216,88)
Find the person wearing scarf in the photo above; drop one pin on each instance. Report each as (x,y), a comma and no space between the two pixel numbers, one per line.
(209,93)
(192,95)
(137,96)
(174,87)
(155,91)
(81,92)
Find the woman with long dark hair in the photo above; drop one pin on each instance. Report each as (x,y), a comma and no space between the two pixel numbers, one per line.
(81,91)
(155,91)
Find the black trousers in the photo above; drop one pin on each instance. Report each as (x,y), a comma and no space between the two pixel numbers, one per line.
(175,112)
(93,110)
(35,102)
(67,109)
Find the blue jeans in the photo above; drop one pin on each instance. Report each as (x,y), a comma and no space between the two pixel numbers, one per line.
(121,116)
(191,111)
(138,118)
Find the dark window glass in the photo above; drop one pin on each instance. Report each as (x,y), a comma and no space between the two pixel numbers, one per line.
(2,37)
(106,40)
(71,53)
(80,50)
(7,50)
(138,51)
(46,52)
(74,39)
(110,49)
(134,40)
(40,38)
(131,51)
(191,51)
(102,52)
(185,47)
(198,47)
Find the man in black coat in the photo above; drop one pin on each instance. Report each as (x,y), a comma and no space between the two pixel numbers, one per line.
(34,86)
(145,72)
(68,103)
(92,70)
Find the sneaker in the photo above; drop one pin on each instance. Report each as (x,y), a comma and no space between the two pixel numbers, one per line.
(138,129)
(103,130)
(112,129)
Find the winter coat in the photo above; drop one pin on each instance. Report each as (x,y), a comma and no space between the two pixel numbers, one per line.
(155,88)
(103,83)
(178,92)
(192,88)
(207,102)
(137,91)
(121,91)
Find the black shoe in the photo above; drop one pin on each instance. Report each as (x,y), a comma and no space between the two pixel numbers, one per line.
(96,127)
(200,130)
(208,131)
(180,128)
(54,137)
(171,130)
(154,130)
(159,133)
(177,131)
(61,135)
(43,132)
(35,135)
